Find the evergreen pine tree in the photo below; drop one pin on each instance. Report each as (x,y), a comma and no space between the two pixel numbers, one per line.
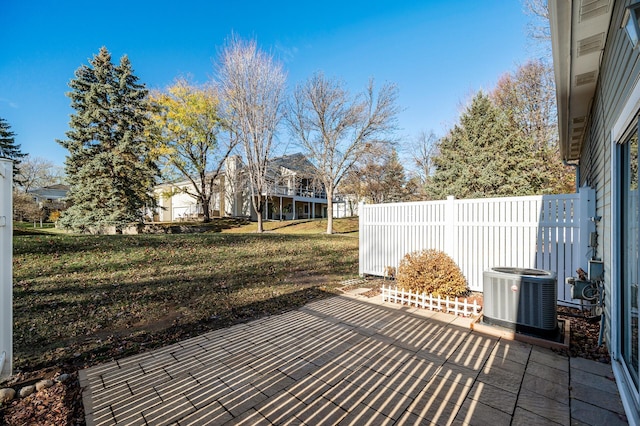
(394,179)
(482,156)
(8,147)
(527,97)
(109,167)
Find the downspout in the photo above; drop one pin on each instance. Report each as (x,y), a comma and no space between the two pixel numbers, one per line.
(577,167)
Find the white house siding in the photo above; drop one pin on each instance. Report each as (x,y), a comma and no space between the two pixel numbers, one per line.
(617,75)
(345,206)
(175,207)
(164,206)
(233,202)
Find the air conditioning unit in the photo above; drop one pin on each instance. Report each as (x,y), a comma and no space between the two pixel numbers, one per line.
(521,299)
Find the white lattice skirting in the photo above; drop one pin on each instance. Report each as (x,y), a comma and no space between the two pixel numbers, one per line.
(452,305)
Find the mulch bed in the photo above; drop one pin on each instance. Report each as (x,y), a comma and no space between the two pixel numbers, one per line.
(585,332)
(61,404)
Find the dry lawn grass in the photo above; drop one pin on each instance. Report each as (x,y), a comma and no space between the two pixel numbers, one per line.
(304,226)
(84,299)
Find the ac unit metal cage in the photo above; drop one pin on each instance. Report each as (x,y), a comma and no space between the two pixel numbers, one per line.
(521,299)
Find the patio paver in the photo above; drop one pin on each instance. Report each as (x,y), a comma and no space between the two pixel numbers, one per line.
(346,360)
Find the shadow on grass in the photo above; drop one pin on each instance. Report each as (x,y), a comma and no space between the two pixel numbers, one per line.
(35,231)
(215,225)
(127,342)
(46,244)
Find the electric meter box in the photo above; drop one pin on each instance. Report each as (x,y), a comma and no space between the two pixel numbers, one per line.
(596,270)
(577,288)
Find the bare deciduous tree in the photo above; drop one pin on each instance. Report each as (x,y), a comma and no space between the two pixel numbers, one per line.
(423,149)
(36,172)
(252,85)
(25,208)
(336,129)
(528,98)
(365,179)
(538,28)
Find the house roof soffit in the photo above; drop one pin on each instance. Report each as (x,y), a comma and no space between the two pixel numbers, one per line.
(579,32)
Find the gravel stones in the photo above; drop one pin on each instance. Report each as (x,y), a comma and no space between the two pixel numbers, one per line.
(43,384)
(63,377)
(26,391)
(6,395)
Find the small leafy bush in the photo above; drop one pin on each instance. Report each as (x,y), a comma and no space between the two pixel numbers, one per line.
(54,216)
(431,272)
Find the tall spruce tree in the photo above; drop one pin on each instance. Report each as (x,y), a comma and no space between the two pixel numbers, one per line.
(527,97)
(8,147)
(394,179)
(109,168)
(482,156)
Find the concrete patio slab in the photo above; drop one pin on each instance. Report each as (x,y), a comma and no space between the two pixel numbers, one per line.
(347,361)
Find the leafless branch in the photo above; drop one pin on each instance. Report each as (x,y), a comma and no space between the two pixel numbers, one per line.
(252,84)
(336,128)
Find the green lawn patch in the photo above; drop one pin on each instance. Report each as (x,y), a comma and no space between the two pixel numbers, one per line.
(28,228)
(85,299)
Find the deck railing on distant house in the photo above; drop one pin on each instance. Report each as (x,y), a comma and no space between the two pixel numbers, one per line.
(548,232)
(281,190)
(6,271)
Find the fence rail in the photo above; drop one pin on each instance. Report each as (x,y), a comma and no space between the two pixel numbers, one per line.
(548,232)
(424,301)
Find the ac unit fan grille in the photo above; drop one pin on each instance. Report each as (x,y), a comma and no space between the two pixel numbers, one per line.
(519,300)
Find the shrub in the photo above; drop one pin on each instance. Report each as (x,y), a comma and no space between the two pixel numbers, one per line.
(54,216)
(431,272)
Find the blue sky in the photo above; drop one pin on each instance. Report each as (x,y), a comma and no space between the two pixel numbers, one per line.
(437,52)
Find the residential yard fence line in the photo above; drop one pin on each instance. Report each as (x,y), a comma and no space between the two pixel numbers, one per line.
(548,232)
(6,268)
(424,301)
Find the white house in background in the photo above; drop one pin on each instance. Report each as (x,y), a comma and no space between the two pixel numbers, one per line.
(293,193)
(175,204)
(596,60)
(50,194)
(345,205)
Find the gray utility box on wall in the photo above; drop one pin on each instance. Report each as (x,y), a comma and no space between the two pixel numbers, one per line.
(577,289)
(521,299)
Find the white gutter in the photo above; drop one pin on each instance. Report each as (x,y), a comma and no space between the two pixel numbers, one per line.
(560,26)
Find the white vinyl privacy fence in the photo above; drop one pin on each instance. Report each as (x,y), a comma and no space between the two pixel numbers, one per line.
(6,268)
(548,232)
